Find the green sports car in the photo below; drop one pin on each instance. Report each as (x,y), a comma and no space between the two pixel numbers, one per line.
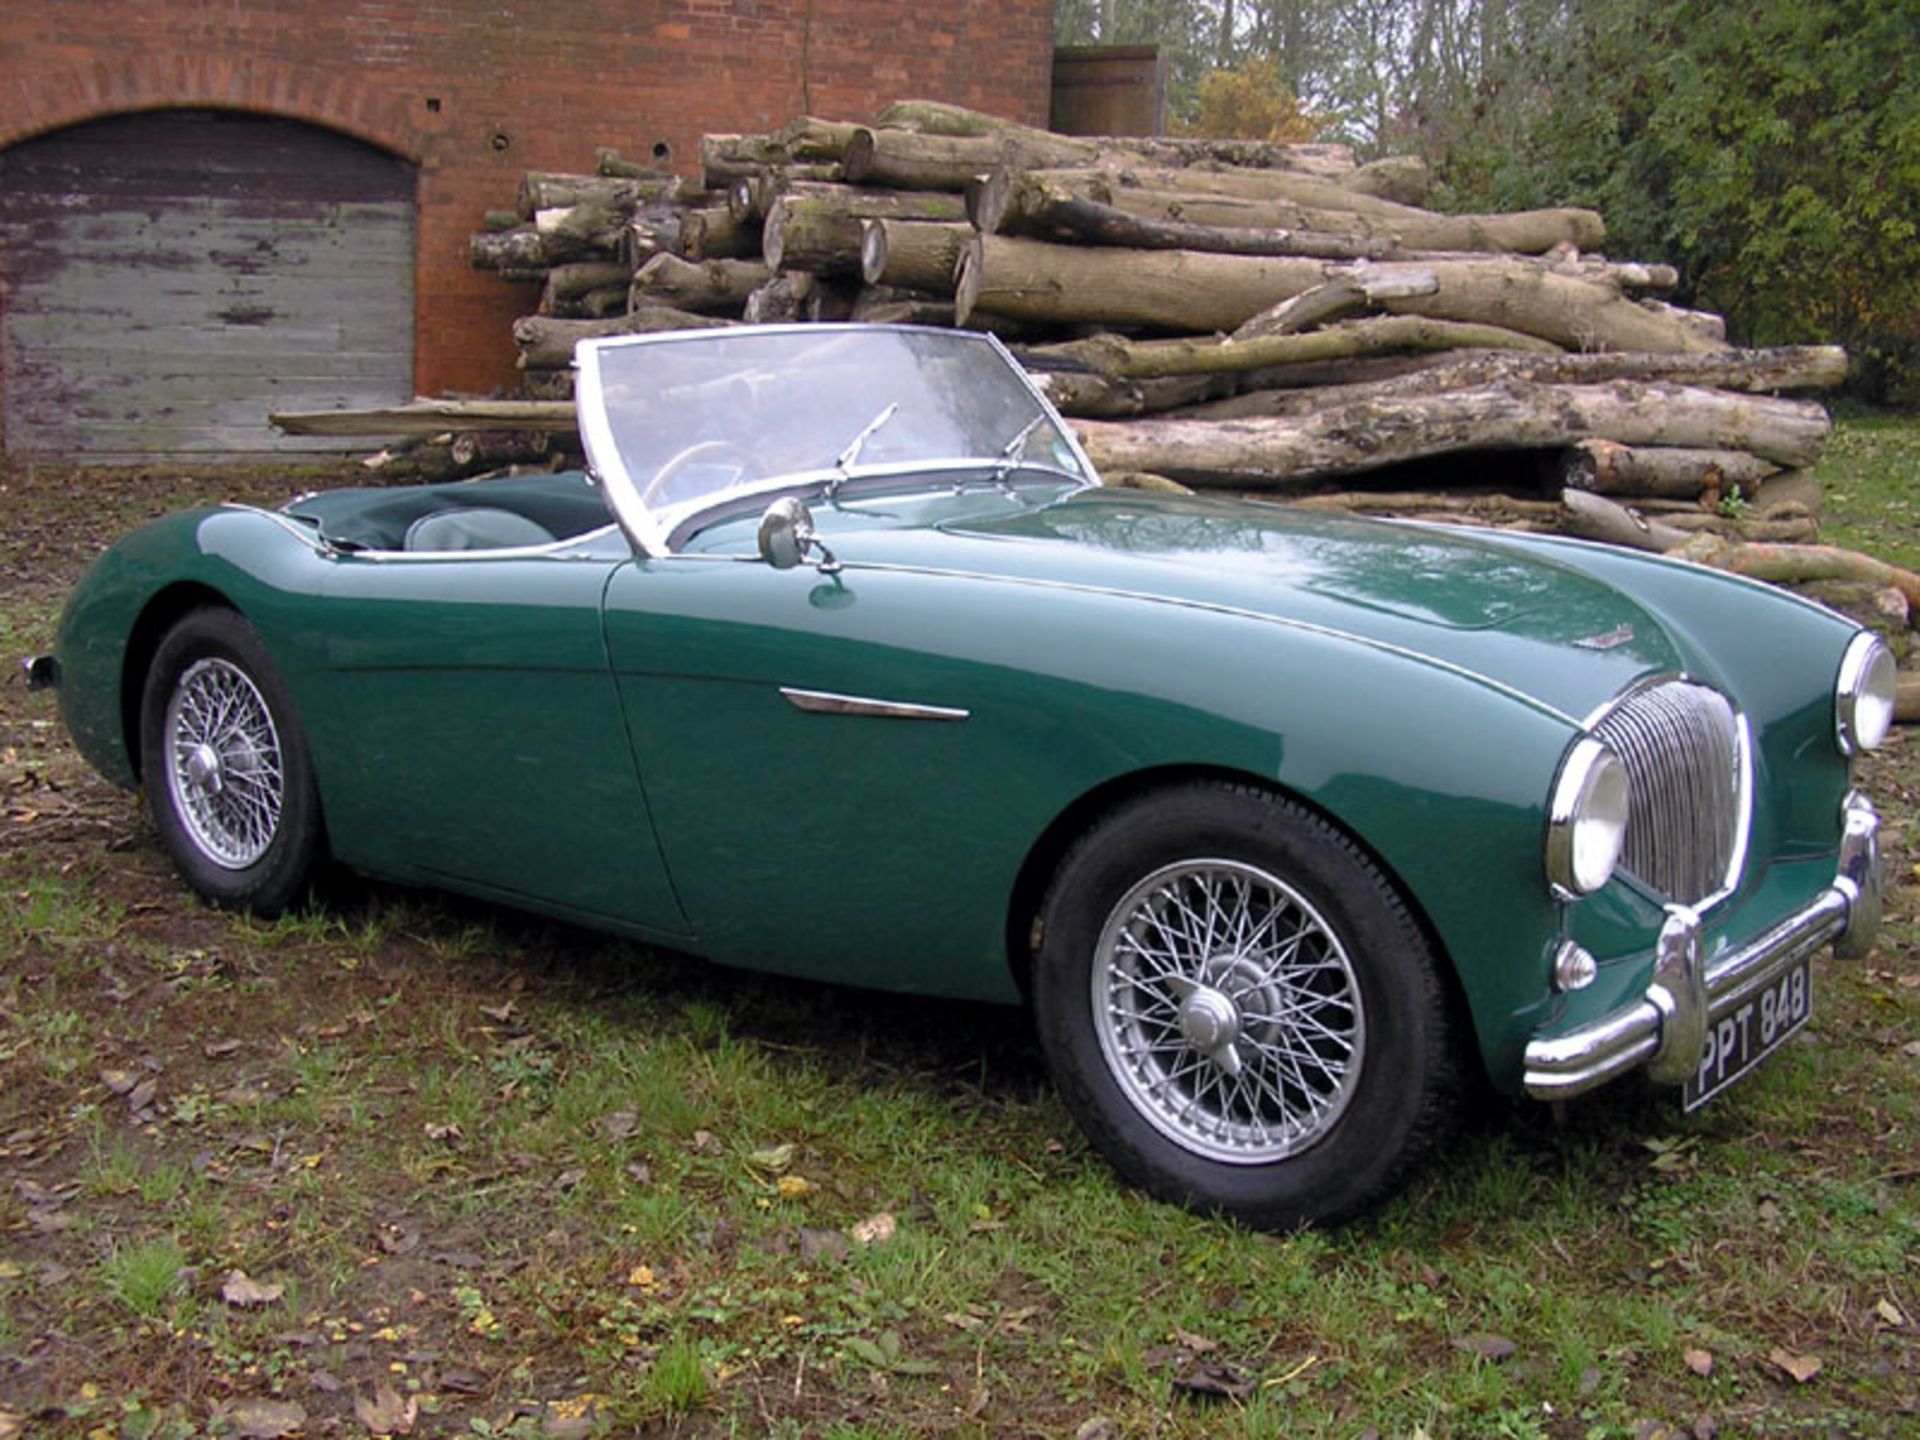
(840,663)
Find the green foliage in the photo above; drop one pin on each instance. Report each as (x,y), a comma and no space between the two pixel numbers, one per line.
(1250,103)
(1772,150)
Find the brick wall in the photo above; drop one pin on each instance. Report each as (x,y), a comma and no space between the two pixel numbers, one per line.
(476,91)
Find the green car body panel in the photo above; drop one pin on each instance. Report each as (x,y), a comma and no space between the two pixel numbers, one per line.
(605,736)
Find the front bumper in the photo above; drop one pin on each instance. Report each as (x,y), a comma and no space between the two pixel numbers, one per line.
(1665,1031)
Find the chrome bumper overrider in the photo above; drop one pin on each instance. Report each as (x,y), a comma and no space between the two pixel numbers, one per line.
(1665,1031)
(43,672)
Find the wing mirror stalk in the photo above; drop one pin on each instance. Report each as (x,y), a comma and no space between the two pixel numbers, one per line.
(787,537)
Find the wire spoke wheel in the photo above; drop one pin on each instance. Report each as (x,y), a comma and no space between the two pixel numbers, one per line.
(223,763)
(1228,1011)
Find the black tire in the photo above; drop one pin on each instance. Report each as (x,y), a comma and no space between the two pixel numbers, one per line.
(228,775)
(1282,1083)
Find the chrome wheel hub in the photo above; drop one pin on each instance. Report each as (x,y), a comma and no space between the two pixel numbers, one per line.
(1228,1011)
(223,767)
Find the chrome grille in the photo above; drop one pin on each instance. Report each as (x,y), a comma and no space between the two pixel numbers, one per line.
(1685,752)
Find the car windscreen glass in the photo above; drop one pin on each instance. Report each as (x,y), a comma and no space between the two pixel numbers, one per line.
(689,423)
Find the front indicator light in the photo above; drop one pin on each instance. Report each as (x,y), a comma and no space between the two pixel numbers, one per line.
(1586,818)
(1863,696)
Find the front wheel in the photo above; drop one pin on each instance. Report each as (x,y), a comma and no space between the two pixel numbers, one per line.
(224,757)
(1239,1009)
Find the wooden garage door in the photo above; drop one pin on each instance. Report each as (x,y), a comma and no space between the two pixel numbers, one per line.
(173,276)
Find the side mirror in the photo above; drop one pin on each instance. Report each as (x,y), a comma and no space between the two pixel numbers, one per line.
(787,536)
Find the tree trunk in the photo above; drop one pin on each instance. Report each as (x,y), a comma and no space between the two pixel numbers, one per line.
(904,160)
(712,285)
(520,249)
(912,254)
(547,344)
(726,158)
(1357,438)
(1151,359)
(1609,468)
(478,449)
(1097,397)
(1788,564)
(1594,517)
(1267,200)
(932,117)
(1033,206)
(1404,179)
(567,284)
(1785,368)
(822,232)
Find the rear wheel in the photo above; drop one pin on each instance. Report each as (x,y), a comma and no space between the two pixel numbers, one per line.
(224,757)
(1239,1009)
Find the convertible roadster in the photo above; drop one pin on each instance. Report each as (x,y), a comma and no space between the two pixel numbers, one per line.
(840,662)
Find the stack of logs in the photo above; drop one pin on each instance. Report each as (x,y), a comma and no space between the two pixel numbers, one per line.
(1224,314)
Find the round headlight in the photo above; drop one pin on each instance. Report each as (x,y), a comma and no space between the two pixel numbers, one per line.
(1586,818)
(1863,698)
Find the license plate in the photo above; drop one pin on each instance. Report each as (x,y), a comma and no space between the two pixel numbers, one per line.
(1743,1037)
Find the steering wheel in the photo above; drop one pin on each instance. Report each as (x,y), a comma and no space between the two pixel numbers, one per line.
(700,450)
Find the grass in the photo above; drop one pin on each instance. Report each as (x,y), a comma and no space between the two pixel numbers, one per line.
(538,1182)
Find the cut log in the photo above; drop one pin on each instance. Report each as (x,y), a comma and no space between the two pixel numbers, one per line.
(1097,397)
(1791,564)
(1187,291)
(1489,506)
(1356,438)
(519,249)
(931,117)
(1711,327)
(1784,368)
(547,384)
(546,190)
(1337,299)
(906,160)
(1150,359)
(822,232)
(1607,467)
(780,300)
(1031,205)
(1404,179)
(431,417)
(715,233)
(1265,200)
(1594,517)
(547,344)
(712,285)
(726,158)
(916,310)
(913,254)
(485,449)
(567,284)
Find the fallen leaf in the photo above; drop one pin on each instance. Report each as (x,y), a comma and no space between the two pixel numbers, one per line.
(775,1158)
(568,1179)
(142,1094)
(640,1172)
(119,1081)
(386,1413)
(266,1419)
(1801,1368)
(620,1124)
(814,1244)
(451,1134)
(220,1049)
(462,1382)
(1700,1362)
(704,1142)
(1215,1382)
(875,1229)
(1095,1427)
(11,1425)
(249,1294)
(1911,1050)
(792,1187)
(1199,1344)
(499,1013)
(1890,1312)
(1487,1347)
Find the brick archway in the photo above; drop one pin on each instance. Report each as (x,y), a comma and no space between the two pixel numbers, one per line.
(52,99)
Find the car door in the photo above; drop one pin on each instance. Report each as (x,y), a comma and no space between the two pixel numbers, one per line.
(479,735)
(848,771)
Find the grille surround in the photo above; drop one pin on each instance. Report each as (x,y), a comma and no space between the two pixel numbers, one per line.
(1689,760)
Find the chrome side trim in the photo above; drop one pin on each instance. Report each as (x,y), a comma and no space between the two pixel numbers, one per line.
(823,702)
(1666,1030)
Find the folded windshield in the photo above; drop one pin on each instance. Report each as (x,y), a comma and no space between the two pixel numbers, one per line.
(678,425)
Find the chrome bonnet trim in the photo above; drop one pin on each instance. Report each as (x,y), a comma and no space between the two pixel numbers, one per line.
(825,702)
(1665,1030)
